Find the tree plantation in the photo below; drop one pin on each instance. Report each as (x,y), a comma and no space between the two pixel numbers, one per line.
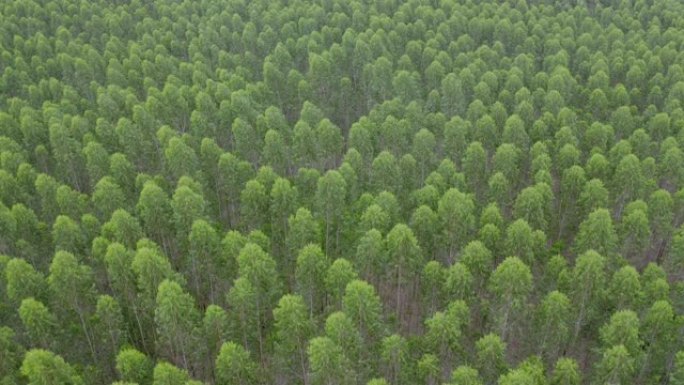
(342,192)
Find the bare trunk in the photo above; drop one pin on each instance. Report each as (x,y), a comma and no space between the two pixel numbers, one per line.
(561,220)
(184,356)
(327,234)
(244,332)
(140,329)
(645,365)
(302,363)
(578,323)
(87,335)
(398,304)
(259,329)
(311,304)
(504,326)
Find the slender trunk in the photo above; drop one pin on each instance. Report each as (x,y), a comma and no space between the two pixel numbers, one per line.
(244,331)
(195,278)
(645,365)
(219,206)
(394,370)
(259,331)
(660,251)
(327,234)
(311,304)
(87,335)
(578,323)
(542,345)
(504,326)
(618,210)
(337,239)
(112,338)
(302,363)
(140,329)
(177,352)
(165,243)
(398,303)
(561,220)
(445,359)
(212,289)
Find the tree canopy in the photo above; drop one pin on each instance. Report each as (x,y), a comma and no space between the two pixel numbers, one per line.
(341,192)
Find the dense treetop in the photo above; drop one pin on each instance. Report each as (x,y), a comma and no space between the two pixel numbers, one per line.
(341,192)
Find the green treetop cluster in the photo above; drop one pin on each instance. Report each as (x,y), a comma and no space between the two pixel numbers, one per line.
(341,192)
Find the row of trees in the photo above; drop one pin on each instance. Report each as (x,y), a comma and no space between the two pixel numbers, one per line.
(336,192)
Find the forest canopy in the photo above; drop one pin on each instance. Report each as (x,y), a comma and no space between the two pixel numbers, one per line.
(341,192)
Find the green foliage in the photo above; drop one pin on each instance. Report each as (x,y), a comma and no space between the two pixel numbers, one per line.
(167,374)
(176,319)
(38,321)
(444,192)
(234,366)
(616,366)
(677,375)
(134,366)
(293,327)
(310,274)
(363,306)
(328,362)
(42,367)
(510,284)
(23,281)
(490,357)
(566,372)
(465,375)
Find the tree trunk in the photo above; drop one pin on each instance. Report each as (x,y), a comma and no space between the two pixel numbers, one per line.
(87,335)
